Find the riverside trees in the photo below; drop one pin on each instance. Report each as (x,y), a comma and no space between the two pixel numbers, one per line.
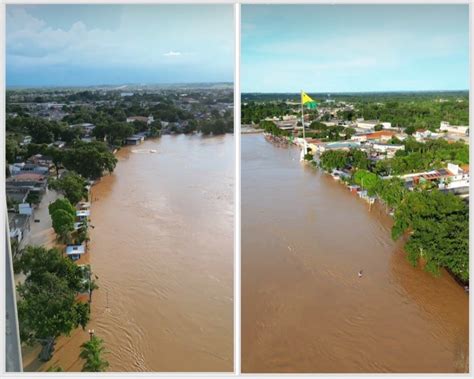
(63,215)
(439,226)
(437,222)
(89,159)
(47,305)
(72,185)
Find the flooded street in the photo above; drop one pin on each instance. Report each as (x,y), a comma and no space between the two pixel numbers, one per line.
(304,308)
(162,249)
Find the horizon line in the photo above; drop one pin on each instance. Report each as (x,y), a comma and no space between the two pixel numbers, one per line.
(349,92)
(52,86)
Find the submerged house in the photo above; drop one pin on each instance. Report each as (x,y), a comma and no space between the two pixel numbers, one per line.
(75,251)
(83,215)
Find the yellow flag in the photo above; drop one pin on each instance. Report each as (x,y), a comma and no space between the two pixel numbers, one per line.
(305,98)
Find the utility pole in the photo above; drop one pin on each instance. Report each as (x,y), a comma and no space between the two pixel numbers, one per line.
(91,334)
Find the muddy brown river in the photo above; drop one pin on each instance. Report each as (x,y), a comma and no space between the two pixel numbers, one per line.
(162,249)
(304,308)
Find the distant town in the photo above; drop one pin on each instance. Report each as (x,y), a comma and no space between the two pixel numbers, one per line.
(409,151)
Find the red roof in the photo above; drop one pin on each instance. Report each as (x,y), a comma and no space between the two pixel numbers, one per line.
(28,176)
(380,133)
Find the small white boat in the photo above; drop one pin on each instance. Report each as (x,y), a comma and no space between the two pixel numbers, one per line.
(152,151)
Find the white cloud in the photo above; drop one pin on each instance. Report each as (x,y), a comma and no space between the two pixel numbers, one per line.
(172,53)
(139,39)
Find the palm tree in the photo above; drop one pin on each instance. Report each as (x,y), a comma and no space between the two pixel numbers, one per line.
(91,352)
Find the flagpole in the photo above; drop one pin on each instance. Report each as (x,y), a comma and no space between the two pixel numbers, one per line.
(302,116)
(304,135)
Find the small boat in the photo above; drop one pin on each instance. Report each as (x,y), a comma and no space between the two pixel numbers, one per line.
(152,151)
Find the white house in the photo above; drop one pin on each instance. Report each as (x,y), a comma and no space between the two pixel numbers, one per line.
(75,251)
(148,120)
(446,127)
(389,149)
(459,178)
(83,215)
(367,124)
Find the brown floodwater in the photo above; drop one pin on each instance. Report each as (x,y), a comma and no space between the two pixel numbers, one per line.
(162,249)
(304,309)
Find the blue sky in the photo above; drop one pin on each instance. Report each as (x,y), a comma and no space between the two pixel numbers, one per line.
(345,48)
(69,45)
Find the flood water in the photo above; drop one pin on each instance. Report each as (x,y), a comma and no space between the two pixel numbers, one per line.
(304,308)
(162,249)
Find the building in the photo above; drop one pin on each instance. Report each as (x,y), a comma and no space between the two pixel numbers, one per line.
(386,148)
(59,144)
(75,251)
(340,145)
(147,120)
(31,181)
(22,167)
(367,124)
(87,127)
(379,136)
(19,225)
(41,160)
(446,127)
(459,177)
(26,141)
(17,195)
(25,209)
(136,139)
(83,214)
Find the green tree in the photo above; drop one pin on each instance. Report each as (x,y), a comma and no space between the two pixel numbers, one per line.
(47,305)
(57,156)
(90,160)
(359,159)
(12,149)
(367,180)
(72,185)
(392,191)
(63,224)
(378,127)
(334,159)
(410,130)
(63,204)
(439,225)
(117,132)
(63,215)
(92,352)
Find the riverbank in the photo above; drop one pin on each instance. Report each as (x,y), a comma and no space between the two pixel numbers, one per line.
(357,170)
(162,249)
(304,308)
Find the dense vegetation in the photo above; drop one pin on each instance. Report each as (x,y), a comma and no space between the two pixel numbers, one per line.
(339,159)
(47,305)
(411,110)
(418,156)
(92,352)
(439,231)
(437,222)
(63,216)
(271,128)
(71,185)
